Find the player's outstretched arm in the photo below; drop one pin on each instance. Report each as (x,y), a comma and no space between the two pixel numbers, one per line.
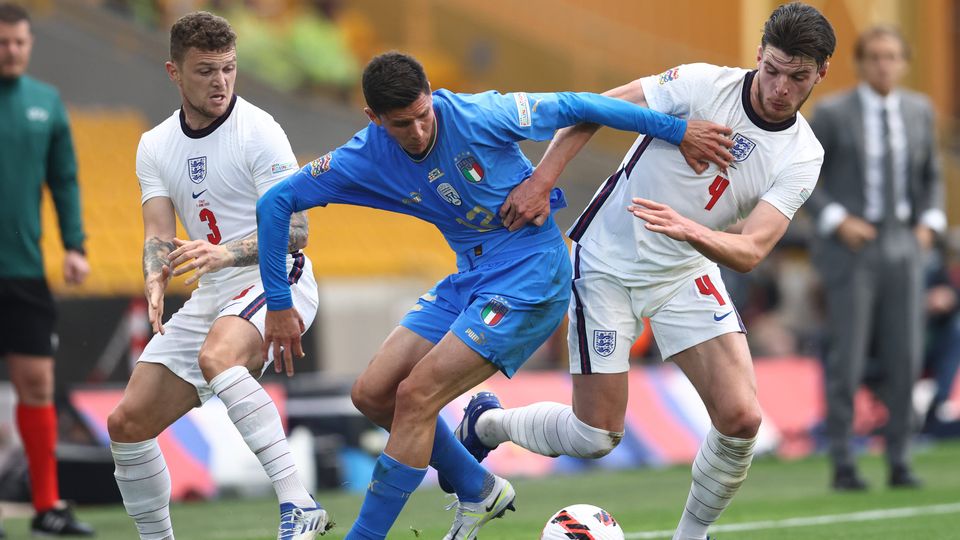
(762,229)
(159,228)
(283,325)
(624,107)
(203,257)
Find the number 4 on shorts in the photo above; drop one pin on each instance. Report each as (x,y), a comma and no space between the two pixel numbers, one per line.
(707,288)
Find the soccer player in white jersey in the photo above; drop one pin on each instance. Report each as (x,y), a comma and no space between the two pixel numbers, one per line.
(649,243)
(208,164)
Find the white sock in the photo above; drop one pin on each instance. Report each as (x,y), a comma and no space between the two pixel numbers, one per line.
(257,420)
(718,471)
(144,483)
(547,428)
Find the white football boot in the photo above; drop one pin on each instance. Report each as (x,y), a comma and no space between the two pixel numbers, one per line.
(471,516)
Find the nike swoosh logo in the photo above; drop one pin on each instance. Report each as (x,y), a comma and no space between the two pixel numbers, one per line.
(495,501)
(233,304)
(721,317)
(195,195)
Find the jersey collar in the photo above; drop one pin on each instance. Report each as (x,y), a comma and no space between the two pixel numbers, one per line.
(201,133)
(417,158)
(752,114)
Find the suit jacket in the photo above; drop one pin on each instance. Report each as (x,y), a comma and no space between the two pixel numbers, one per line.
(838,124)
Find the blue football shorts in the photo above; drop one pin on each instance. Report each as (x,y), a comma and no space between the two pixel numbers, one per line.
(504,309)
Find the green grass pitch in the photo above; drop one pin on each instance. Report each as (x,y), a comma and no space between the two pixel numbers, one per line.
(643,501)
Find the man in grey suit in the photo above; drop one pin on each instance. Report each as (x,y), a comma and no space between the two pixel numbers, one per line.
(877,207)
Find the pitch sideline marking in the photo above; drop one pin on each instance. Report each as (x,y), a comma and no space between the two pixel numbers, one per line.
(869,515)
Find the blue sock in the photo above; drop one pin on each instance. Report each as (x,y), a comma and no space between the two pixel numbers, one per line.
(455,463)
(389,489)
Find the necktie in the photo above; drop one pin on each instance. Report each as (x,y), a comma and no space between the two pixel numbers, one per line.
(889,189)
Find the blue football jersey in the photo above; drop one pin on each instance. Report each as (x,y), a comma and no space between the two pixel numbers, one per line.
(458,184)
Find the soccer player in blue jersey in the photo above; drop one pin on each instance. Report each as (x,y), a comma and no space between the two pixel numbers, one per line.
(449,159)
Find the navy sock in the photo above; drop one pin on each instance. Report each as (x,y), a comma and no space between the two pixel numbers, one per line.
(389,489)
(455,463)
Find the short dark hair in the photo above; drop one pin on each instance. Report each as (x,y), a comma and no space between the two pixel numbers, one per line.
(393,80)
(882,30)
(201,30)
(800,30)
(11,13)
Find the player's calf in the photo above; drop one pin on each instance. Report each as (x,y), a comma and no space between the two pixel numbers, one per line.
(719,470)
(547,428)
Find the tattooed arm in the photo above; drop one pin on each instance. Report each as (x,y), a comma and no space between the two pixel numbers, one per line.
(245,252)
(205,257)
(159,228)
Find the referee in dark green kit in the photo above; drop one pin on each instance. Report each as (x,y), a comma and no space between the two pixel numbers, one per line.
(35,147)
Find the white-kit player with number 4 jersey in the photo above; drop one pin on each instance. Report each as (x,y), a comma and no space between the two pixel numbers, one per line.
(208,164)
(649,243)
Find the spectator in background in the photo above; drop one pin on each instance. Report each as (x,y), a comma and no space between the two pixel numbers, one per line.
(942,354)
(35,147)
(877,209)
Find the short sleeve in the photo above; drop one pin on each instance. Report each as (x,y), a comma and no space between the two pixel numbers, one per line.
(674,91)
(148,173)
(793,186)
(270,157)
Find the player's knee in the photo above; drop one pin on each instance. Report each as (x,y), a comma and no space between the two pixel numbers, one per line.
(742,421)
(213,362)
(123,427)
(375,403)
(34,388)
(415,400)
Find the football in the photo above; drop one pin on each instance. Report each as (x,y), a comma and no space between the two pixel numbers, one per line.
(582,522)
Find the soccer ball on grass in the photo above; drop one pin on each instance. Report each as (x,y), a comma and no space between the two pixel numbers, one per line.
(582,522)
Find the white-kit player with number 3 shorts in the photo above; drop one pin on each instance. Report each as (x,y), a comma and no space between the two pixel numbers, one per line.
(208,164)
(649,243)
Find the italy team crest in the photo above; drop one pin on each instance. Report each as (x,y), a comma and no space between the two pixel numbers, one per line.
(604,342)
(470,168)
(742,147)
(197,169)
(495,310)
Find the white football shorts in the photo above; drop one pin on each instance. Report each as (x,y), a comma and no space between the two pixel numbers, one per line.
(178,348)
(606,315)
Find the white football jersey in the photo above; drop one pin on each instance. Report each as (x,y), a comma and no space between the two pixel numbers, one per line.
(215,176)
(778,163)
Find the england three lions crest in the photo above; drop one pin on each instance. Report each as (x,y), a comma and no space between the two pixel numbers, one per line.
(197,169)
(604,342)
(742,147)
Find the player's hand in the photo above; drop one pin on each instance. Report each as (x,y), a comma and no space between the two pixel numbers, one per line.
(282,330)
(75,267)
(198,255)
(662,219)
(529,202)
(154,285)
(854,232)
(941,299)
(705,143)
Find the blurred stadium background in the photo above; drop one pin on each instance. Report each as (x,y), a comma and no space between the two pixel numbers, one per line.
(300,60)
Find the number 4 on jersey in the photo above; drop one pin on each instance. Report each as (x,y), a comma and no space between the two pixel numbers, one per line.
(717,188)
